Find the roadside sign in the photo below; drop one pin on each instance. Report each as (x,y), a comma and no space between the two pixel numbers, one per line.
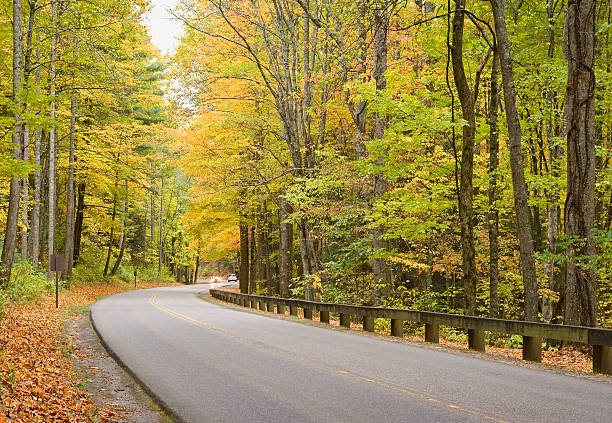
(57,265)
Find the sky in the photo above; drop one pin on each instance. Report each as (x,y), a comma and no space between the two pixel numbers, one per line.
(163,27)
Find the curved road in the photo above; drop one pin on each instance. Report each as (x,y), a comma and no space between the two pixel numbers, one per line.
(210,363)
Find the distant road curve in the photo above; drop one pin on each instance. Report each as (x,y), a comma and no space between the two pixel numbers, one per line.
(209,363)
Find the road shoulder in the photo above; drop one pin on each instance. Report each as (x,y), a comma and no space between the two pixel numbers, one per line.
(109,384)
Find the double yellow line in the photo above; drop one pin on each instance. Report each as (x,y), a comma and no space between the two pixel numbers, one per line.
(154,303)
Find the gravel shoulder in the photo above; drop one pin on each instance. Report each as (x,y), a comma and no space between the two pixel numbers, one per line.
(110,385)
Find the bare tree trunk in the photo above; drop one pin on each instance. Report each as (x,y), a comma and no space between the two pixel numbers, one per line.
(35,230)
(493,212)
(555,153)
(244,256)
(122,236)
(197,269)
(112,233)
(252,264)
(10,234)
(25,203)
(580,278)
(160,250)
(69,244)
(78,227)
(528,269)
(52,146)
(466,211)
(266,251)
(285,248)
(260,253)
(381,24)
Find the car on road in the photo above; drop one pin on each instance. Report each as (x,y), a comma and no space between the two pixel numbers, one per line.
(232,278)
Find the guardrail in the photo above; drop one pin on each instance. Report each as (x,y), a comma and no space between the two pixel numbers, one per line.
(532,332)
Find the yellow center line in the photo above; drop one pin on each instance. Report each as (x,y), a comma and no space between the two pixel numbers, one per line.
(418,395)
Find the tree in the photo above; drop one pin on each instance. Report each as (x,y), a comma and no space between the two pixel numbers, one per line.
(580,278)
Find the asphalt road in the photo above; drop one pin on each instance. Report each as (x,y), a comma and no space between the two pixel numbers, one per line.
(210,363)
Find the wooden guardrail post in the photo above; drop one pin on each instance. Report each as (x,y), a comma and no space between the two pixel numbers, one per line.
(253,304)
(324,316)
(293,310)
(432,333)
(368,323)
(476,339)
(532,349)
(602,359)
(397,328)
(345,320)
(308,313)
(280,309)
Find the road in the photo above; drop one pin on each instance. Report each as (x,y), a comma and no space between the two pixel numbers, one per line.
(210,363)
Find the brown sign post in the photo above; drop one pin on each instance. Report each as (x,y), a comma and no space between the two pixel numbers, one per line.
(57,265)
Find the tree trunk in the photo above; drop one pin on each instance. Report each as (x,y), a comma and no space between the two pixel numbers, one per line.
(197,269)
(112,233)
(244,256)
(466,188)
(266,251)
(580,278)
(252,264)
(52,152)
(285,248)
(78,226)
(555,153)
(160,251)
(528,269)
(69,244)
(25,203)
(260,253)
(381,24)
(10,234)
(122,236)
(493,212)
(35,230)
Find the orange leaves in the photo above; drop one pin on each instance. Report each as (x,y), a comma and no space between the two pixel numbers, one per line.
(37,380)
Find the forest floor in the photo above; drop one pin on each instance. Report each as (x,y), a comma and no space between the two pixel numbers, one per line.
(52,367)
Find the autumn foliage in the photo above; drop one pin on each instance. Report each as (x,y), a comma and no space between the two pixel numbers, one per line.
(38,382)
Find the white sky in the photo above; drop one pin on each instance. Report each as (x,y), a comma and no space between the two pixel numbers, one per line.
(163,27)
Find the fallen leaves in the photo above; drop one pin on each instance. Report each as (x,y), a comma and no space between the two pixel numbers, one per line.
(38,382)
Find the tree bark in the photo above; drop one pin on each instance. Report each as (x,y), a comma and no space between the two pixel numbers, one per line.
(528,269)
(52,147)
(78,227)
(285,248)
(10,233)
(35,230)
(112,232)
(69,244)
(252,261)
(493,212)
(381,24)
(122,236)
(244,256)
(555,153)
(466,188)
(580,278)
(160,251)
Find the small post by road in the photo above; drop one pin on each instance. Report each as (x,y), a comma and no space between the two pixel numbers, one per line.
(57,265)
(135,274)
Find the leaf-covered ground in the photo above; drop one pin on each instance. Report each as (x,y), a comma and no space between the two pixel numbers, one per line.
(38,381)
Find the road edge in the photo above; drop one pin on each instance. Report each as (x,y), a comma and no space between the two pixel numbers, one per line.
(154,397)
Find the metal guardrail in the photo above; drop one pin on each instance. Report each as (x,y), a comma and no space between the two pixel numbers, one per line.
(532,332)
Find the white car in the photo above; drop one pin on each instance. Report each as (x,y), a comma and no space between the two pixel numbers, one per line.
(232,278)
